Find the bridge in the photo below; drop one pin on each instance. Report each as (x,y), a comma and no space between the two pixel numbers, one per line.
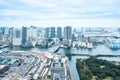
(55,48)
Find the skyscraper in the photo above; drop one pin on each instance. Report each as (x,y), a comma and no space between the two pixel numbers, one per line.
(67,32)
(119,30)
(67,36)
(47,30)
(24,35)
(59,32)
(2,30)
(17,33)
(52,32)
(17,37)
(32,35)
(11,35)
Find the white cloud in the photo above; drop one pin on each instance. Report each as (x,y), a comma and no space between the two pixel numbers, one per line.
(59,11)
(37,4)
(8,19)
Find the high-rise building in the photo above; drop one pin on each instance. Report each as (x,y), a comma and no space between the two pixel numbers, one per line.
(52,32)
(1,36)
(24,35)
(83,31)
(5,35)
(32,35)
(1,30)
(47,30)
(119,30)
(73,37)
(74,31)
(82,34)
(67,32)
(1,33)
(17,37)
(11,35)
(67,36)
(59,32)
(6,30)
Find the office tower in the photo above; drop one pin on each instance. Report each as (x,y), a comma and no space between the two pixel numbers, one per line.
(119,30)
(5,35)
(1,34)
(39,31)
(73,37)
(67,32)
(24,35)
(17,37)
(82,34)
(59,32)
(6,30)
(67,36)
(32,35)
(2,30)
(47,30)
(11,35)
(83,31)
(52,32)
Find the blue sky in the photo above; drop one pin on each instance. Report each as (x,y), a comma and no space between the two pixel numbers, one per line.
(77,13)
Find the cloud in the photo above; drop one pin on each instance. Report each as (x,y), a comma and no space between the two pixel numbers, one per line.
(59,11)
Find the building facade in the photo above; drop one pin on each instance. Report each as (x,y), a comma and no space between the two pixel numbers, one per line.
(24,35)
(52,32)
(67,36)
(59,32)
(17,37)
(47,30)
(32,35)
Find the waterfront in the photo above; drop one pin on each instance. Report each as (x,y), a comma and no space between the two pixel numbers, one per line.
(99,49)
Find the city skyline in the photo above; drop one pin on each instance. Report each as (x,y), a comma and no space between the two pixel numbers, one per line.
(51,53)
(76,13)
(59,39)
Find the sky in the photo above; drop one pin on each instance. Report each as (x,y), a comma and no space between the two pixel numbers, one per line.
(76,13)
